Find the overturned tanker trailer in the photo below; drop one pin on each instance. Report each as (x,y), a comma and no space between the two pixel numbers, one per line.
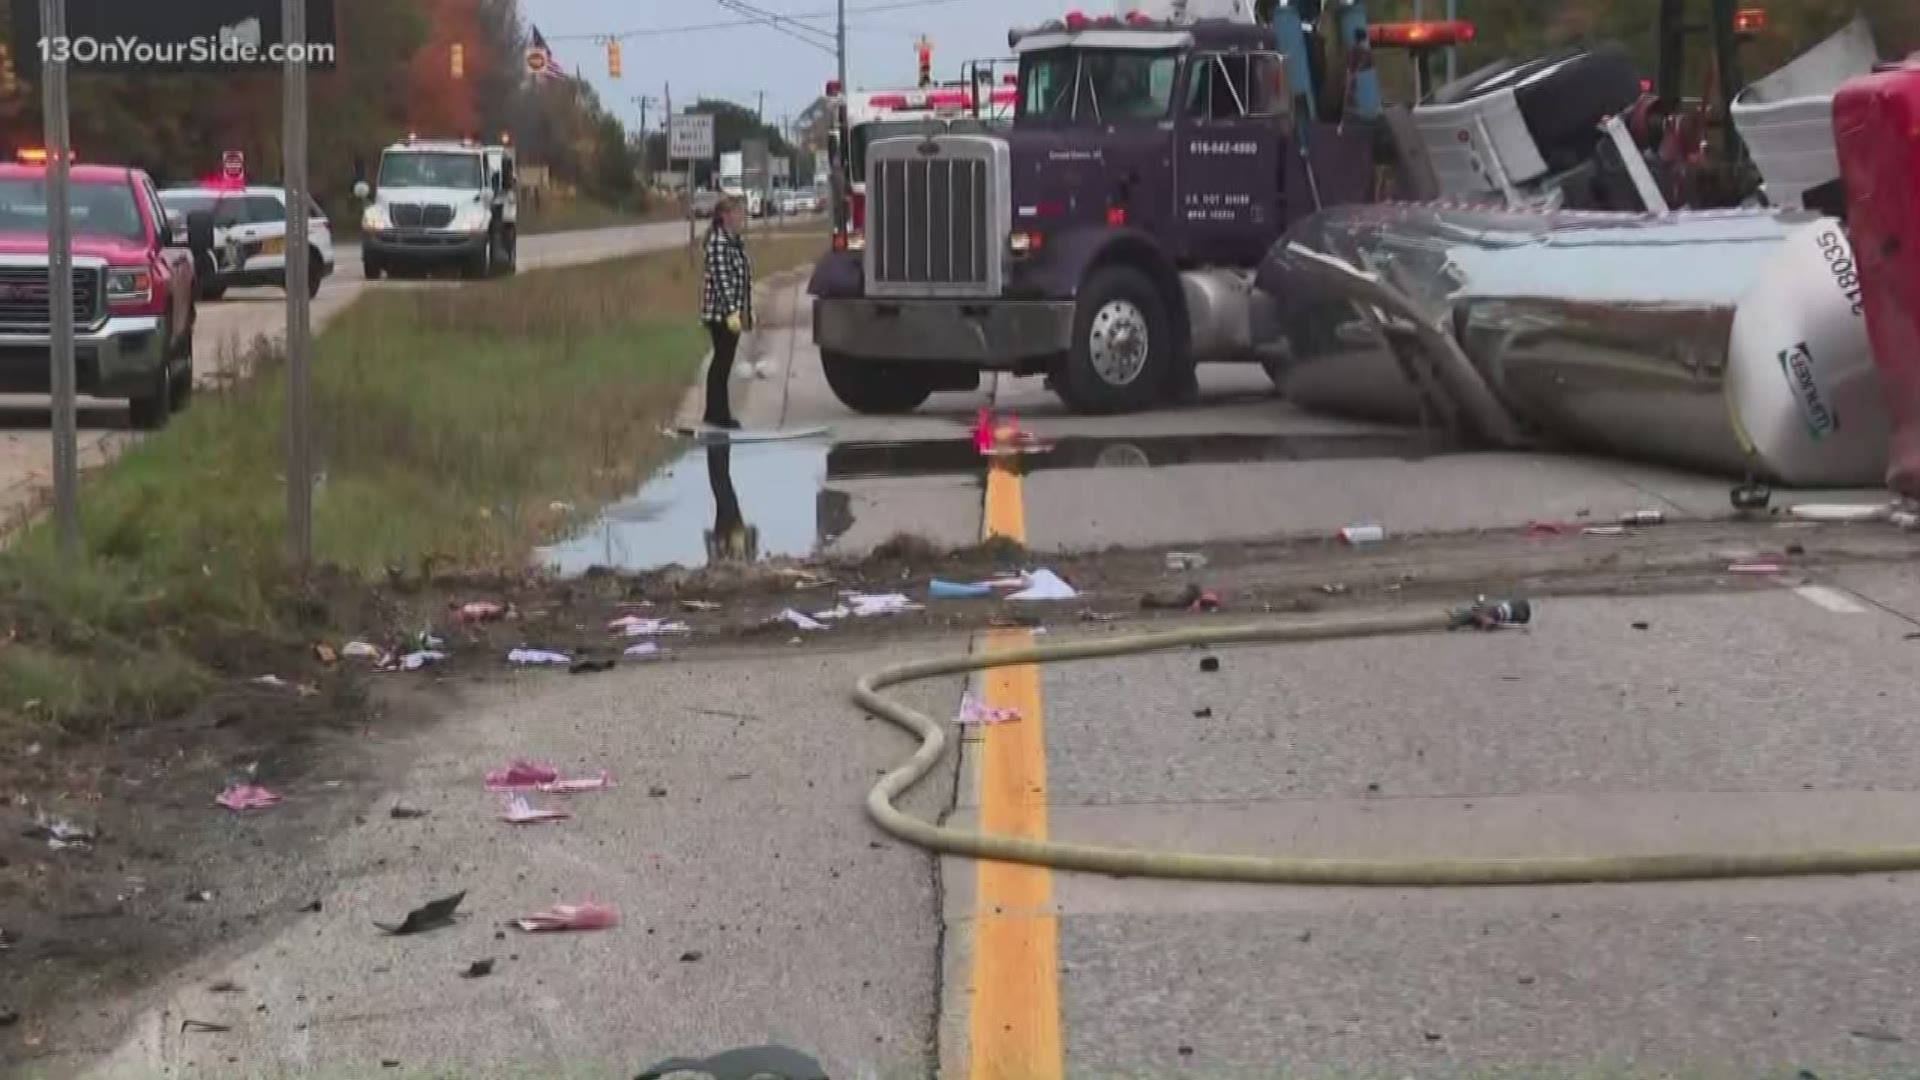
(1725,341)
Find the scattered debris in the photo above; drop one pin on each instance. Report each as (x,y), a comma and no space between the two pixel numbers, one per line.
(1905,519)
(361,650)
(538,657)
(225,986)
(955,590)
(242,796)
(1750,496)
(1841,512)
(479,969)
(324,653)
(1045,585)
(480,610)
(433,915)
(1205,712)
(1876,1033)
(273,682)
(1642,626)
(1186,560)
(61,833)
(402,812)
(1643,517)
(656,792)
(700,605)
(204,1025)
(645,648)
(975,711)
(1207,602)
(1362,534)
(803,579)
(195,896)
(572,784)
(519,811)
(1757,566)
(1550,528)
(591,666)
(414,661)
(587,916)
(1334,588)
(1209,664)
(804,622)
(313,907)
(748,1063)
(868,605)
(520,775)
(692,956)
(635,626)
(1181,600)
(1604,530)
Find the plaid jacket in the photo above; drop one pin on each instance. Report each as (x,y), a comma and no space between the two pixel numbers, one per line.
(727,284)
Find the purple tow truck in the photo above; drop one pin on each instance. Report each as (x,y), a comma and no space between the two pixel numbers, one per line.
(1107,238)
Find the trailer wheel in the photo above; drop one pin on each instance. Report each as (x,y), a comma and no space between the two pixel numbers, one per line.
(875,387)
(1122,344)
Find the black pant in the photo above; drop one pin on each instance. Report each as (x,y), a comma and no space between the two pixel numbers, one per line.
(719,370)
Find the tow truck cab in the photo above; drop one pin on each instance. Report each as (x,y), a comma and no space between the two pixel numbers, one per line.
(133,287)
(1106,239)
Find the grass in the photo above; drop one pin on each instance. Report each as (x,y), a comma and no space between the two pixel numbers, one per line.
(455,429)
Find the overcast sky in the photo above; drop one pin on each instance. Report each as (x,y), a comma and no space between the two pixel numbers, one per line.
(736,63)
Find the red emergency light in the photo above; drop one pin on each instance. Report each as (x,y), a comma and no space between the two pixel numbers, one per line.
(1750,21)
(1076,20)
(37,155)
(833,87)
(222,182)
(1420,35)
(888,101)
(1139,18)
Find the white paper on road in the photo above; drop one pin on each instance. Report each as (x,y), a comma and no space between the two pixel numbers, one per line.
(866,605)
(1045,585)
(804,622)
(635,626)
(537,657)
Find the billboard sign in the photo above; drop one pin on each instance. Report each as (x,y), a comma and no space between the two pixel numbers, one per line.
(177,36)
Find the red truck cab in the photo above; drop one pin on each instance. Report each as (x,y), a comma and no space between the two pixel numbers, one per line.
(133,288)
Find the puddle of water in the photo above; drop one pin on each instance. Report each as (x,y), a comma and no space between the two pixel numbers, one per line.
(735,502)
(853,461)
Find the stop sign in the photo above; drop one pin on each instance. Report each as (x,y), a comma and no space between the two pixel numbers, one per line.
(233,164)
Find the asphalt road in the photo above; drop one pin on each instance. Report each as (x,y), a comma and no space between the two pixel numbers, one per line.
(758,905)
(230,329)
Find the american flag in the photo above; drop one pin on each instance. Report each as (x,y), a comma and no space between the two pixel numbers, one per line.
(553,70)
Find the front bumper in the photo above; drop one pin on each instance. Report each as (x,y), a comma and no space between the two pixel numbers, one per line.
(992,334)
(118,358)
(422,246)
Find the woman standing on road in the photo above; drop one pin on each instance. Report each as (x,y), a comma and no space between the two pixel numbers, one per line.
(726,303)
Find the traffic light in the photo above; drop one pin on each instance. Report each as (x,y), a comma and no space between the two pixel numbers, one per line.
(9,80)
(613,59)
(457,60)
(925,49)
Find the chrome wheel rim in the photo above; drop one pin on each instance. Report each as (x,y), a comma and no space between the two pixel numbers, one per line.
(1117,342)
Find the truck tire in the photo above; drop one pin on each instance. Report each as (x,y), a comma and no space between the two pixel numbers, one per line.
(149,411)
(370,268)
(480,267)
(509,261)
(875,387)
(181,392)
(1564,99)
(1123,347)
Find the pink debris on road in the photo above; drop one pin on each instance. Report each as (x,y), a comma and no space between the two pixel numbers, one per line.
(587,916)
(521,776)
(973,711)
(247,797)
(519,811)
(568,785)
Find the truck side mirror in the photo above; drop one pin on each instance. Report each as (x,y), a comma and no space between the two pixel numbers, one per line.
(362,190)
(200,230)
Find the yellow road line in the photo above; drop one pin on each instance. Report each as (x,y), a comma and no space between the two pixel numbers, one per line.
(1015,1033)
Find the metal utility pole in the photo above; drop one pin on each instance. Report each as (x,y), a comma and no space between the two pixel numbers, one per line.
(66,451)
(293,17)
(1453,51)
(760,110)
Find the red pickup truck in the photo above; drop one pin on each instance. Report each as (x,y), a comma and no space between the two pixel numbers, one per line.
(133,291)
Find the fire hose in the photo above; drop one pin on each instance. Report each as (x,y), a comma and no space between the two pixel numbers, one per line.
(1283,869)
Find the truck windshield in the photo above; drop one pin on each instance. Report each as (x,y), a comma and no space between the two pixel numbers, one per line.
(101,208)
(1097,85)
(422,169)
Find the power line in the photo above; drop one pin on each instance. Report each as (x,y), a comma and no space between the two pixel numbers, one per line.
(656,31)
(785,26)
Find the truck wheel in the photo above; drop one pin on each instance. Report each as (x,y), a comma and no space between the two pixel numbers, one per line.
(481,267)
(1122,344)
(181,392)
(370,268)
(509,252)
(149,411)
(875,387)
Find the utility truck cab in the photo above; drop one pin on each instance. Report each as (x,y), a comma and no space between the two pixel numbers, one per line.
(1106,239)
(441,203)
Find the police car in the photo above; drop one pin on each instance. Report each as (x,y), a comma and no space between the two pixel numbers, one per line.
(250,227)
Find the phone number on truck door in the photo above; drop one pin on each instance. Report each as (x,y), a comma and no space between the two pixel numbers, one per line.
(1224,148)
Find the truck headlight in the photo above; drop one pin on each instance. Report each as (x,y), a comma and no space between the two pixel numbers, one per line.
(373,219)
(473,219)
(129,285)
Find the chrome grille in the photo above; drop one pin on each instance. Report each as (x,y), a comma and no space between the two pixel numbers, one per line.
(422,216)
(25,297)
(933,218)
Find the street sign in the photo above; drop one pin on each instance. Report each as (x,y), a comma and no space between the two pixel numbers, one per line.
(690,137)
(233,164)
(176,36)
(538,59)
